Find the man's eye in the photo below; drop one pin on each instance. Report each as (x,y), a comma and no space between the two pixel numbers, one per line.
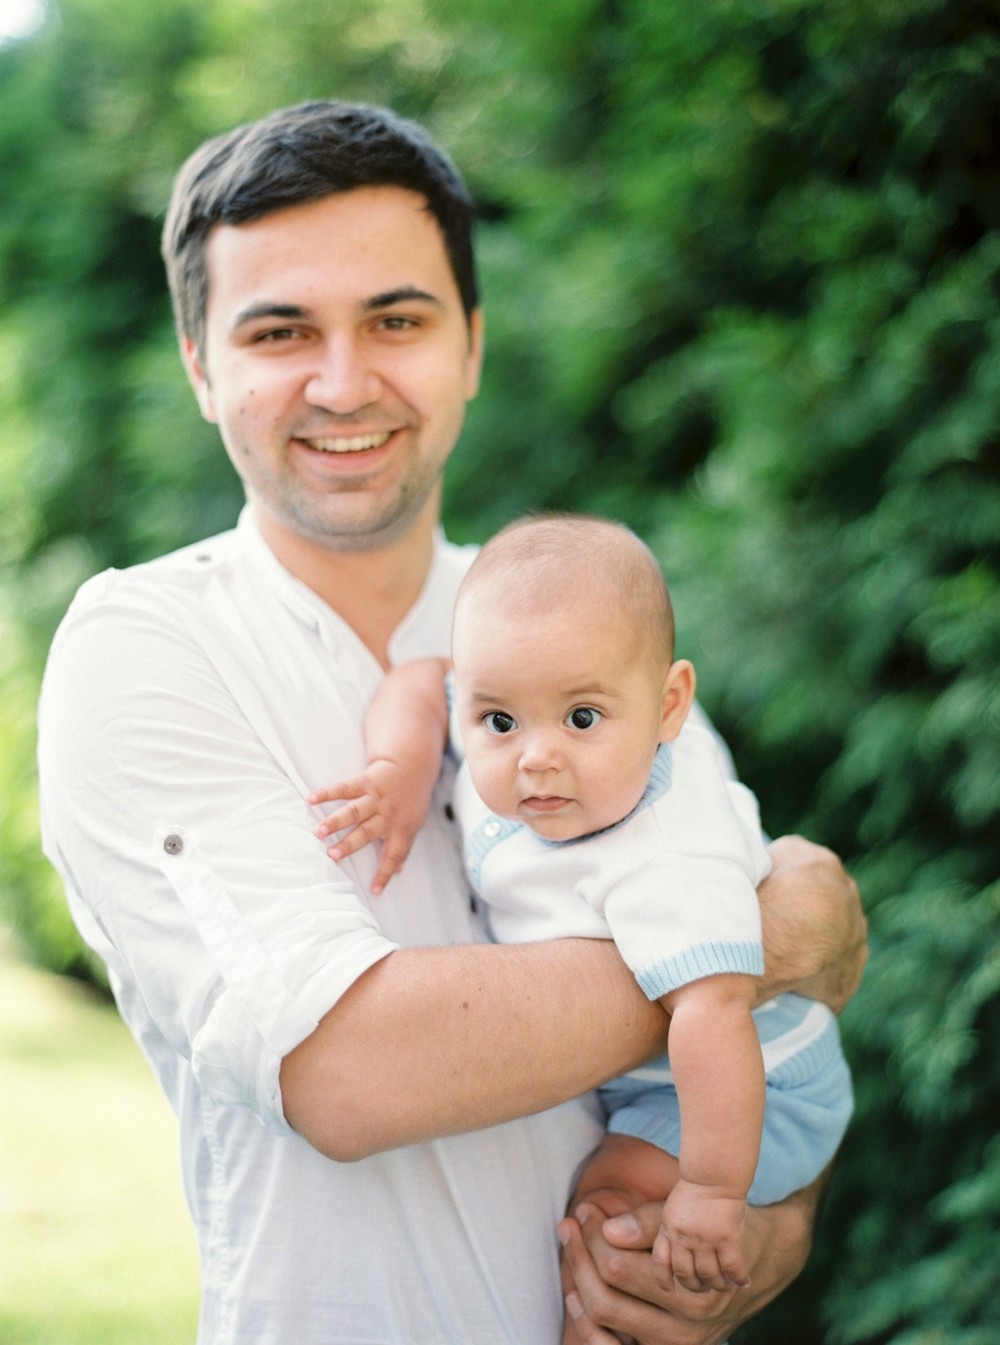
(499,722)
(584,717)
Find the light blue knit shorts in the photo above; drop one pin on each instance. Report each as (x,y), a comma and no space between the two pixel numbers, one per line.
(808,1102)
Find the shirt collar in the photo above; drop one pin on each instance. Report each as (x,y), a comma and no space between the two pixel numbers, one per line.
(309,608)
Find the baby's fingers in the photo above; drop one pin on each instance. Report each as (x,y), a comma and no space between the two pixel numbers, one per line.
(663,1270)
(705,1273)
(362,813)
(394,852)
(684,1268)
(733,1266)
(356,839)
(344,789)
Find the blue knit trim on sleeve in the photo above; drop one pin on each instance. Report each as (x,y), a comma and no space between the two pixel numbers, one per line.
(694,964)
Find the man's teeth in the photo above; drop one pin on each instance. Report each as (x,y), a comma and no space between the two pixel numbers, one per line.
(357,444)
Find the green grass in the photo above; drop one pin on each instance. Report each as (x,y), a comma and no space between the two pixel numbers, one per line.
(95,1243)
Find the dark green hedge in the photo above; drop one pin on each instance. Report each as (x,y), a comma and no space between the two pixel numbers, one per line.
(742,266)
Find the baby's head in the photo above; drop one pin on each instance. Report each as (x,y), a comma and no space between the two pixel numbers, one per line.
(565,680)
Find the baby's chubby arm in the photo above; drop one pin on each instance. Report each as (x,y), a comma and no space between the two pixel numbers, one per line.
(406,729)
(718,1071)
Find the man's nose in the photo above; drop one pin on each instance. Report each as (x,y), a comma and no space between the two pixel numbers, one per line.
(343,379)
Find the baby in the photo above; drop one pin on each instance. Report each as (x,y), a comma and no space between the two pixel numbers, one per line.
(593,804)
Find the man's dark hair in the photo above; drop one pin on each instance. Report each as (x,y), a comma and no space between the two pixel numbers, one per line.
(301,154)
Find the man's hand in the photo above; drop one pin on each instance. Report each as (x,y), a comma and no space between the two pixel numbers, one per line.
(387,803)
(815,932)
(611,1293)
(608,1277)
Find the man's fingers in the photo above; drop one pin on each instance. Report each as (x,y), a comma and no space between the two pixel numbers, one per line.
(608,1306)
(637,1229)
(597,1310)
(587,1331)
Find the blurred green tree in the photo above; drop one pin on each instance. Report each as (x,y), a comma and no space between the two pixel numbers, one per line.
(741,268)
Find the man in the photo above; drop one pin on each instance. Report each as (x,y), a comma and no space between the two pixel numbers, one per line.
(381,1113)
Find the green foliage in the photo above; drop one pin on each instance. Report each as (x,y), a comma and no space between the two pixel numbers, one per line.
(742,268)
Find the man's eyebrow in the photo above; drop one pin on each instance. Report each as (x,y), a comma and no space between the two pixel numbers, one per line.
(404,294)
(265,308)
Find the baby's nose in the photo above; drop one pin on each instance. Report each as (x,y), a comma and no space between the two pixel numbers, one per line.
(539,752)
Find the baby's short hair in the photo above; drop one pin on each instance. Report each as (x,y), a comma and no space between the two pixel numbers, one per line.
(547,561)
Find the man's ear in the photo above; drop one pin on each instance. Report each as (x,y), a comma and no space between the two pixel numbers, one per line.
(677,698)
(194,366)
(477,340)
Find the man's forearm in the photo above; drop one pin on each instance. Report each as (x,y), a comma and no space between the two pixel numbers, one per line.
(433,1041)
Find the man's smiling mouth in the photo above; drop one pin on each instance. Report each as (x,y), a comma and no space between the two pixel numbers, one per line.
(357,443)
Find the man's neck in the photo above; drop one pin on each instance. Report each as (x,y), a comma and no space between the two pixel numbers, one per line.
(371,590)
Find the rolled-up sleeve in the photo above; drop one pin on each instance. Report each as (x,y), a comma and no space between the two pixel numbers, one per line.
(187,848)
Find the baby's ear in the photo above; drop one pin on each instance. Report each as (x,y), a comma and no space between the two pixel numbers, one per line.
(676,699)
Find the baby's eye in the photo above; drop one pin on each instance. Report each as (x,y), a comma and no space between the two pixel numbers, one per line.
(498,721)
(584,717)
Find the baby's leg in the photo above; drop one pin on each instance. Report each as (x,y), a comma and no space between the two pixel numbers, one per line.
(622,1172)
(622,1163)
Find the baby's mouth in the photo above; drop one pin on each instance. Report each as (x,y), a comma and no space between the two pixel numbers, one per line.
(544,803)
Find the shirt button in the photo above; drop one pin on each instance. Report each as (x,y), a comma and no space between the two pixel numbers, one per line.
(173,844)
(449,812)
(491,829)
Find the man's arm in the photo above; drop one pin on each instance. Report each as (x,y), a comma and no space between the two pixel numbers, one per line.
(400,1057)
(433,1041)
(241,935)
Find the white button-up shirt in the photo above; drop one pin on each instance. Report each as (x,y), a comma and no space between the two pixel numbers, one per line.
(189,708)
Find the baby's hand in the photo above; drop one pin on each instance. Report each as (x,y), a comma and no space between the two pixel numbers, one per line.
(384,806)
(698,1244)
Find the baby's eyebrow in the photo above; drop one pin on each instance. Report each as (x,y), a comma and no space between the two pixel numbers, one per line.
(484,698)
(581,692)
